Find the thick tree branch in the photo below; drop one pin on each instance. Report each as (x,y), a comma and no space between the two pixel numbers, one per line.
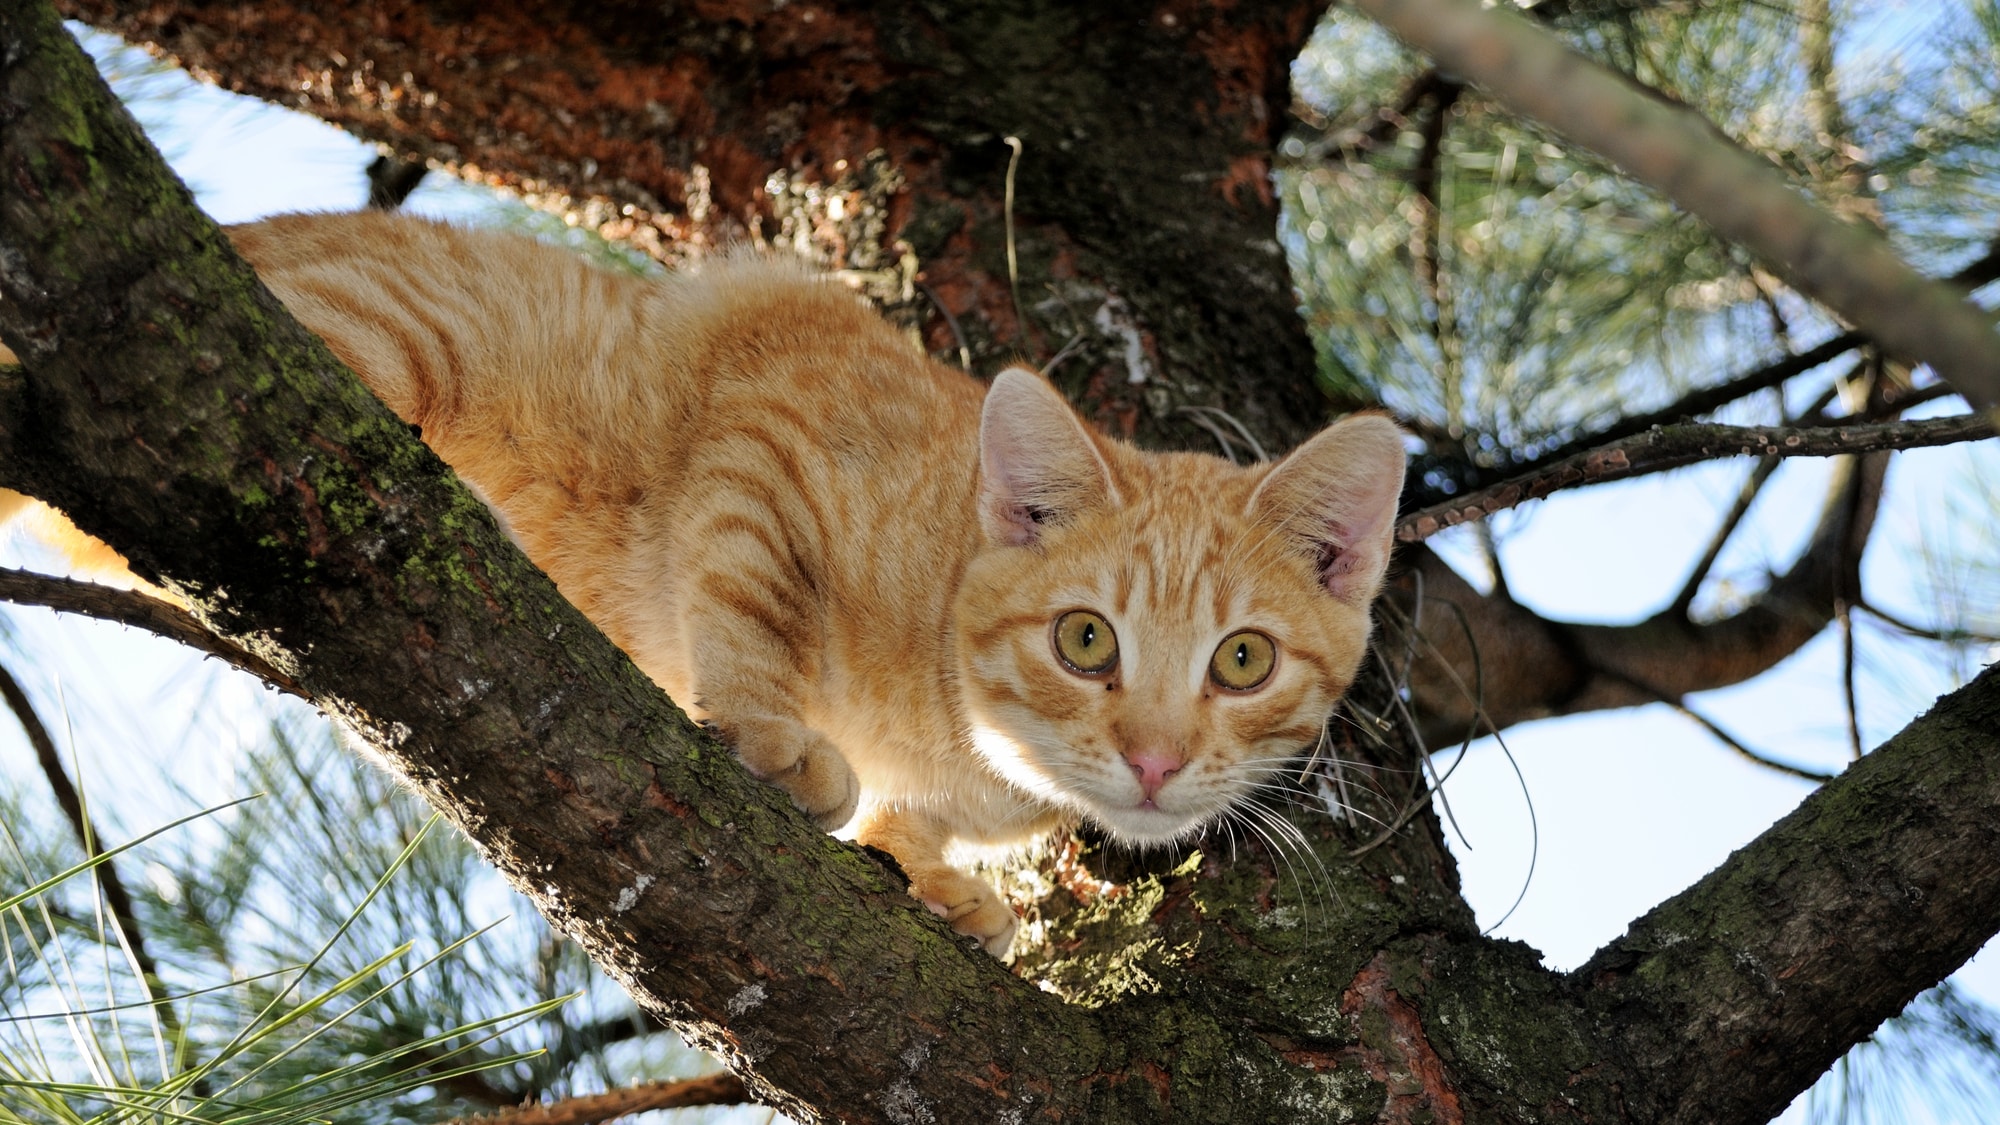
(1671,148)
(1735,993)
(1673,447)
(702,106)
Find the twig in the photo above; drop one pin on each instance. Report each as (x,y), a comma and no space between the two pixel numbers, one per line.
(1424,180)
(957,333)
(1490,547)
(1731,741)
(1675,150)
(716,1089)
(1385,122)
(1696,403)
(1843,613)
(1670,447)
(1945,636)
(1744,498)
(108,603)
(87,835)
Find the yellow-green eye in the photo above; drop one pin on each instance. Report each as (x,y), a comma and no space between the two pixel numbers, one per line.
(1243,661)
(1085,641)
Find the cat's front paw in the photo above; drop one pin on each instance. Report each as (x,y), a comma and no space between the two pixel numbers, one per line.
(971,905)
(799,760)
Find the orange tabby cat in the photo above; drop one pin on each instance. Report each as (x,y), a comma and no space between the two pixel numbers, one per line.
(942,611)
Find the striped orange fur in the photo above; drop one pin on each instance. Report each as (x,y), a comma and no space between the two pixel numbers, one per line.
(851,559)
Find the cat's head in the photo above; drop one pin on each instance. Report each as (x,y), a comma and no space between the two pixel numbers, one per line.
(1146,638)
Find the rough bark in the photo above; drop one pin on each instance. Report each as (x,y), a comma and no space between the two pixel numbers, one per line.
(1754,1012)
(170,406)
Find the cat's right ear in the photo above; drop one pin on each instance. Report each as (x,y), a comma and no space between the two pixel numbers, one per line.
(1037,465)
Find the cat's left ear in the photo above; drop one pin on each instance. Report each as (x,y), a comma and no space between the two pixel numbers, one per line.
(1336,495)
(1037,464)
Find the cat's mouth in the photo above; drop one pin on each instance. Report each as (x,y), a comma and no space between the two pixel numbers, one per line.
(1145,822)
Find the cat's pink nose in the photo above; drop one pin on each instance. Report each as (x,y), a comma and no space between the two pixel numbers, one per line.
(1152,768)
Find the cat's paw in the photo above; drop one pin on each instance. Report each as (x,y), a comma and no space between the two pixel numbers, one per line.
(801,761)
(971,905)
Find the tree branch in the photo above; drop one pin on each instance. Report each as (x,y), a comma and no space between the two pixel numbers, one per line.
(1681,707)
(1887,876)
(1672,447)
(1558,668)
(1676,151)
(129,607)
(590,1109)
(1706,400)
(1753,485)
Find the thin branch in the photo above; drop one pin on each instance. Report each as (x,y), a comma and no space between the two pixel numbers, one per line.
(1946,636)
(1671,447)
(127,607)
(618,1029)
(1424,180)
(1736,744)
(1680,704)
(1843,614)
(1707,400)
(1910,400)
(115,896)
(957,333)
(1675,150)
(1387,121)
(715,1089)
(1745,497)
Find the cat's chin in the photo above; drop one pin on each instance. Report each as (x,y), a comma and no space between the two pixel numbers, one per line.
(1143,825)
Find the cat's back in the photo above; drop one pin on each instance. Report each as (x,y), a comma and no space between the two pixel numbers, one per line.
(508,351)
(596,409)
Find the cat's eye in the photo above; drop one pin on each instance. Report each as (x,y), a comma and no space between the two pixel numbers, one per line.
(1085,642)
(1243,661)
